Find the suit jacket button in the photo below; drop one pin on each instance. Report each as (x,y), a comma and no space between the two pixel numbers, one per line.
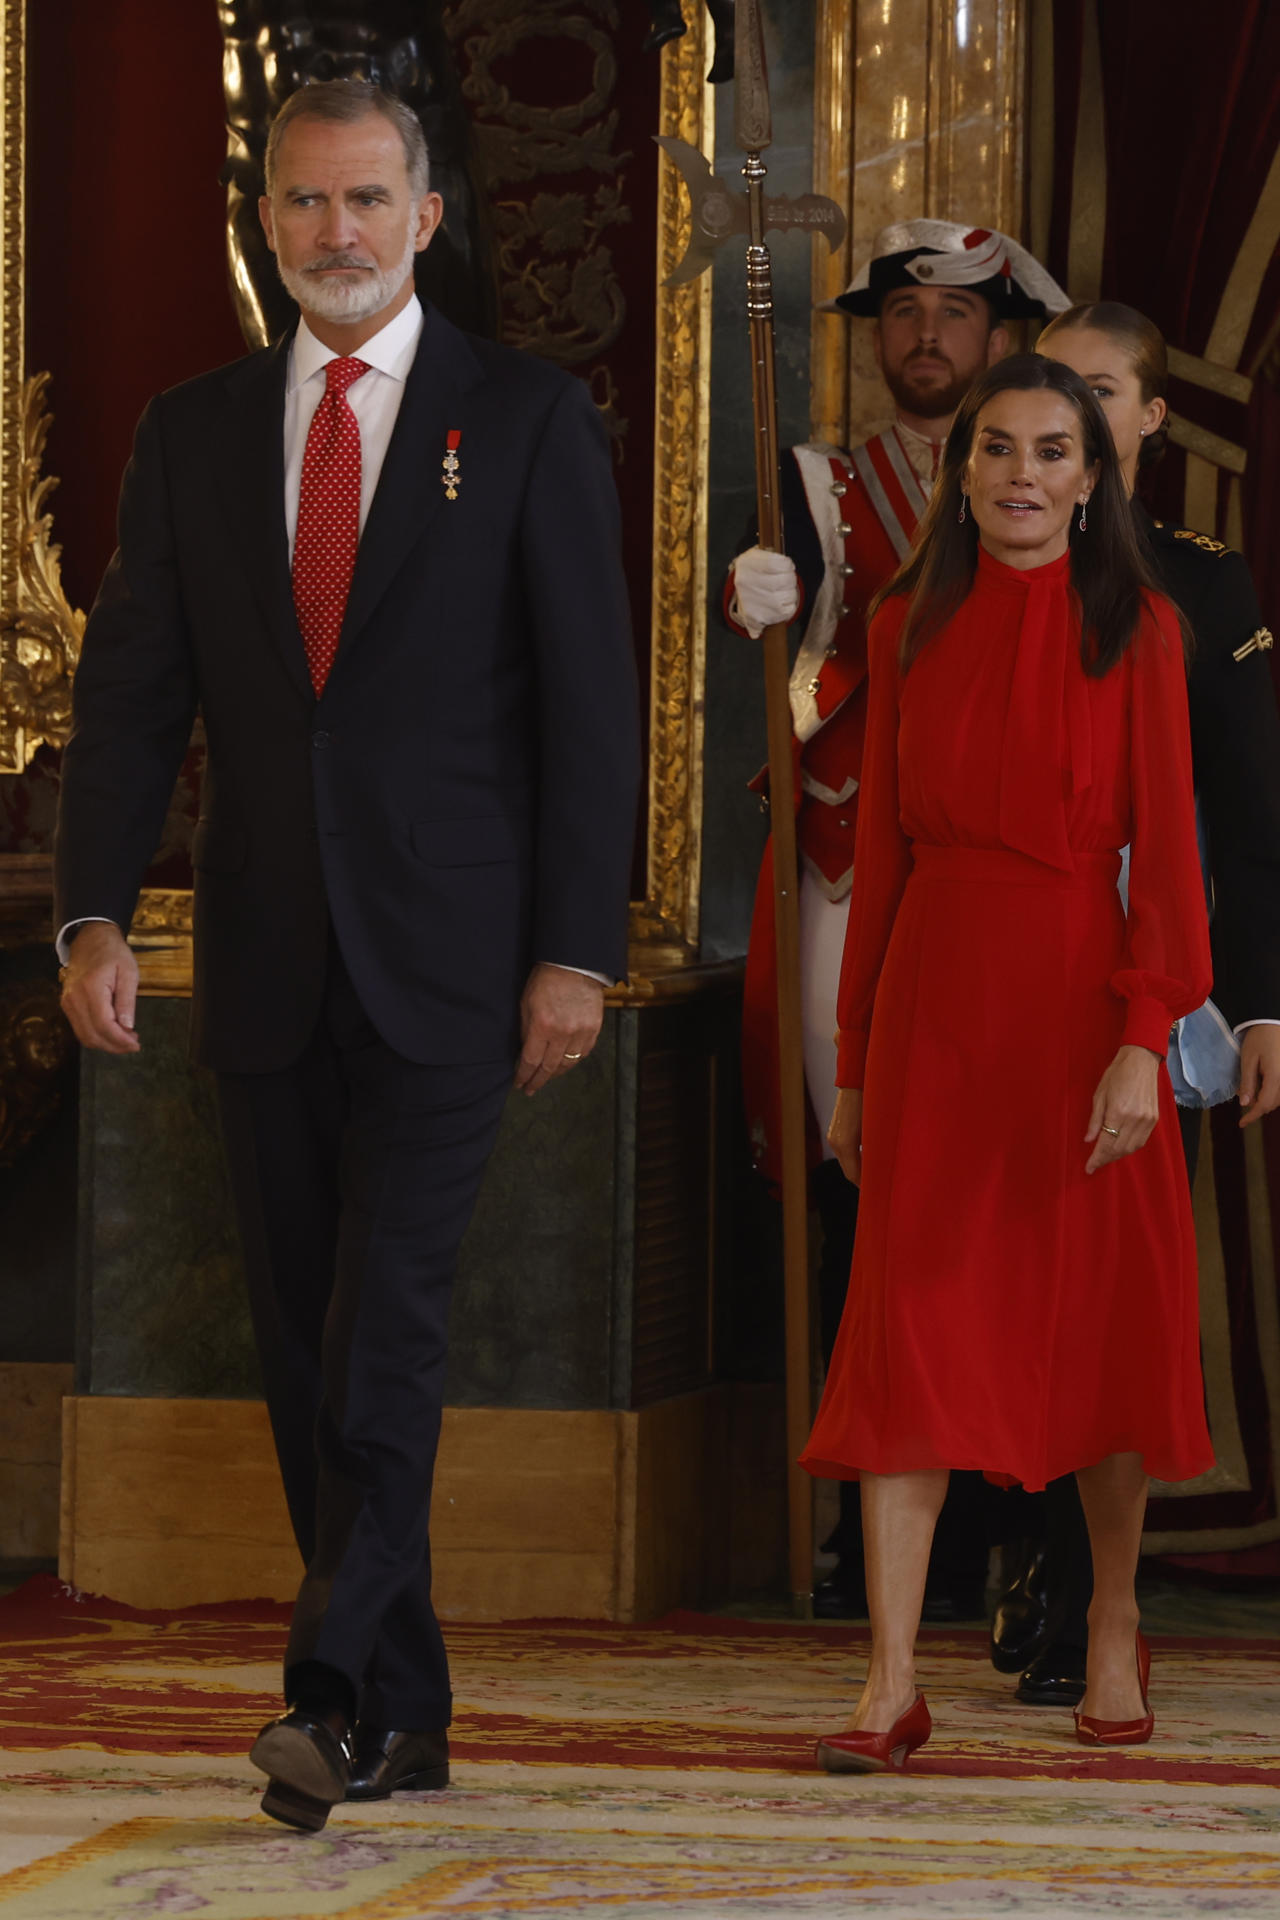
(320,739)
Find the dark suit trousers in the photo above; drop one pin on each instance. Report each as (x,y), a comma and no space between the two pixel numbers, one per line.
(355,1173)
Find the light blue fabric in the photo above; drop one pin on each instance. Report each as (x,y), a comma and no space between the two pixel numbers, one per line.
(1204,1059)
(1204,1054)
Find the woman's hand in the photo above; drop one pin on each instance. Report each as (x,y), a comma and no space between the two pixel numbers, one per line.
(1125,1107)
(844,1135)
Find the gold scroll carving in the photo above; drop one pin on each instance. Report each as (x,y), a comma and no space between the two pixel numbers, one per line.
(39,632)
(668,916)
(561,294)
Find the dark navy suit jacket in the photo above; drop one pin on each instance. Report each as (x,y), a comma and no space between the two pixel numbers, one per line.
(460,801)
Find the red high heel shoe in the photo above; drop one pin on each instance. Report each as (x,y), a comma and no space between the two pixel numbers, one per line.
(1121,1733)
(877,1752)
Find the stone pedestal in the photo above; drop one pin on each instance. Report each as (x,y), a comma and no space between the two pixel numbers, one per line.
(611,1447)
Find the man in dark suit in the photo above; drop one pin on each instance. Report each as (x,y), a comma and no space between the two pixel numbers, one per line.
(381,559)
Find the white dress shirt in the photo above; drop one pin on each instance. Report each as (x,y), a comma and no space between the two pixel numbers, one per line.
(375,401)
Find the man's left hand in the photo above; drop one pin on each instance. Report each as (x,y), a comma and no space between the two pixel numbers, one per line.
(1259,1072)
(560,1014)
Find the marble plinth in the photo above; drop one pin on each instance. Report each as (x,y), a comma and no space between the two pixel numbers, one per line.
(560,1259)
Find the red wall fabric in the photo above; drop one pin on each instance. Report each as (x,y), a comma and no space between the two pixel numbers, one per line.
(1192,122)
(125,280)
(126,275)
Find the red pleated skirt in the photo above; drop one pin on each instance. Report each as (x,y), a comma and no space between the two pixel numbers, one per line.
(1006,1311)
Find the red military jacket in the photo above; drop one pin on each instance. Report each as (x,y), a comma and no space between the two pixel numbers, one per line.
(864,506)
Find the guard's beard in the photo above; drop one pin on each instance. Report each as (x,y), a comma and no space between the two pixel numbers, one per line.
(928,399)
(348,299)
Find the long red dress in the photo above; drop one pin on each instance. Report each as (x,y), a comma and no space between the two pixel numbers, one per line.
(1006,1311)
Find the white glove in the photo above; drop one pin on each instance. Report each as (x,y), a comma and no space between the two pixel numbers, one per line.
(766,592)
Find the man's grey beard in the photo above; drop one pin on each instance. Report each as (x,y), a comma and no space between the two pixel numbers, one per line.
(347,300)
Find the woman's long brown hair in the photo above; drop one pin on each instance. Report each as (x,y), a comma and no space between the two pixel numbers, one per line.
(1108,568)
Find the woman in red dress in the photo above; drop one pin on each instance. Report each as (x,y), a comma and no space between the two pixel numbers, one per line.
(1023,1294)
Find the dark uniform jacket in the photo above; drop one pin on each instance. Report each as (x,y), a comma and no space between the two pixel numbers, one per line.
(459,802)
(1235,740)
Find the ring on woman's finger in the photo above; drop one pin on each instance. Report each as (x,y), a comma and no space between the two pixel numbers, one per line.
(573,1056)
(1114,1130)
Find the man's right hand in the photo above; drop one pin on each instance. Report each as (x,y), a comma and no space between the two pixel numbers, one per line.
(100,988)
(766,590)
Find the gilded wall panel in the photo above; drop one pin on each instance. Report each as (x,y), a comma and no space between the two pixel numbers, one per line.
(669,914)
(39,633)
(919,112)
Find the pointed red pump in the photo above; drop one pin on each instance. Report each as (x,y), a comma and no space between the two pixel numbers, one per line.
(877,1752)
(1121,1733)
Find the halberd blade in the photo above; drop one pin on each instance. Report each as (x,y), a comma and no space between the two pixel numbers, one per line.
(717,212)
(752,119)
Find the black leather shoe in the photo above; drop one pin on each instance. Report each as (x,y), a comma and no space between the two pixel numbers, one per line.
(1020,1628)
(308,1760)
(1055,1678)
(388,1762)
(842,1595)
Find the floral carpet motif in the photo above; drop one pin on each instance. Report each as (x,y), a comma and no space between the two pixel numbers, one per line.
(656,1773)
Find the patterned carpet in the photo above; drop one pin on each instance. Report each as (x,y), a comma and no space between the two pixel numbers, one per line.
(656,1772)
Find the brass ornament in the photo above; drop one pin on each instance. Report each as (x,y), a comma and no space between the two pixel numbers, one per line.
(40,632)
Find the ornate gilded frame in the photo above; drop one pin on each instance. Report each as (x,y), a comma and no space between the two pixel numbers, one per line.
(39,633)
(664,924)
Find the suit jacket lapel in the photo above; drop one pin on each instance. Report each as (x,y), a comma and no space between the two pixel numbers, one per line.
(253,494)
(410,492)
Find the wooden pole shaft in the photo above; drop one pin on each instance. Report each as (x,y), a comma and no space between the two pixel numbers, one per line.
(777,674)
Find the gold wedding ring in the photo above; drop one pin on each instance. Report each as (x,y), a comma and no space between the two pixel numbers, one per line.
(1114,1130)
(573,1056)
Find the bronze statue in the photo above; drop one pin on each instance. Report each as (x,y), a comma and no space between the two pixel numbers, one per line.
(669,24)
(272,47)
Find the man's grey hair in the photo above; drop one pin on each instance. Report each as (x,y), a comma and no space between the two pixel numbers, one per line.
(348,100)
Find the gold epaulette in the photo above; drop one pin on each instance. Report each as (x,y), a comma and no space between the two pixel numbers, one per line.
(1259,642)
(1201,540)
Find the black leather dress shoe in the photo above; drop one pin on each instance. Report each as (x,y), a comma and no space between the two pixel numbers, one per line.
(388,1762)
(307,1757)
(842,1595)
(1055,1677)
(1020,1628)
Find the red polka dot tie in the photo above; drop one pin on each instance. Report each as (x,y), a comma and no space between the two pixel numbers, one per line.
(324,548)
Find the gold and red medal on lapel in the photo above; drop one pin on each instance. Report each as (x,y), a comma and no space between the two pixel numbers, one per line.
(451,478)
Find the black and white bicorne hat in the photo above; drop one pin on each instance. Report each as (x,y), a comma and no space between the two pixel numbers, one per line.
(941,253)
